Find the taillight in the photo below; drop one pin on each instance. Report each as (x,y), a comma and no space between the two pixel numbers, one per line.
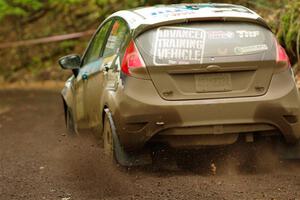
(132,59)
(282,55)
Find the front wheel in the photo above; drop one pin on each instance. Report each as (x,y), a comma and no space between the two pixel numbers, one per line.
(70,125)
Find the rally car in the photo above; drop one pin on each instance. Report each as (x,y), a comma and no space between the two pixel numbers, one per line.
(187,75)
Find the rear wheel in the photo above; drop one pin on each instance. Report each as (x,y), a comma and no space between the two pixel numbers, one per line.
(108,143)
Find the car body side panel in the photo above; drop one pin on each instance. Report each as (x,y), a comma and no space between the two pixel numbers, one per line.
(94,90)
(103,78)
(68,95)
(68,92)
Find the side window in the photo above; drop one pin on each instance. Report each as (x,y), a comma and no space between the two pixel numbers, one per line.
(116,38)
(94,50)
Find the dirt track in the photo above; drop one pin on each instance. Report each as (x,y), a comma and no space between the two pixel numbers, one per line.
(39,161)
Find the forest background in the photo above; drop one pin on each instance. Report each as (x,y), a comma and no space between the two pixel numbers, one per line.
(23,20)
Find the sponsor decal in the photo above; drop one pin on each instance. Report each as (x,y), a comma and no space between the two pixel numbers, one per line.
(236,9)
(250,49)
(178,45)
(220,35)
(247,34)
(192,9)
(171,11)
(199,6)
(179,9)
(189,10)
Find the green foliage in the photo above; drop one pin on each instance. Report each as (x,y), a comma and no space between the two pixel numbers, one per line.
(21,8)
(32,4)
(289,28)
(6,9)
(18,7)
(30,19)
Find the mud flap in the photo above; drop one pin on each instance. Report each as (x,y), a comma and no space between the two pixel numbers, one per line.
(127,159)
(289,151)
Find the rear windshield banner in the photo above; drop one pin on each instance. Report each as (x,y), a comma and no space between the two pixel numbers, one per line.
(179,45)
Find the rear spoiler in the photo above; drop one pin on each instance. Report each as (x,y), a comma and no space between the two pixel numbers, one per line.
(144,27)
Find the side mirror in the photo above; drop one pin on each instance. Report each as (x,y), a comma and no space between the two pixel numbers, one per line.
(70,62)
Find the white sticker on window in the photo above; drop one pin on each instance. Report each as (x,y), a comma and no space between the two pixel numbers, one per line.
(178,45)
(250,49)
(220,35)
(247,34)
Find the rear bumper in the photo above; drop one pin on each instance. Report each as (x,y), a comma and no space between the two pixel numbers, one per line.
(140,113)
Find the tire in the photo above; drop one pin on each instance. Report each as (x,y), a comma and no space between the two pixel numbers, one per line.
(113,148)
(108,143)
(70,125)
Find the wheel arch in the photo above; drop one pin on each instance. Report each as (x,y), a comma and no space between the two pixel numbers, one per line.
(109,102)
(65,108)
(104,113)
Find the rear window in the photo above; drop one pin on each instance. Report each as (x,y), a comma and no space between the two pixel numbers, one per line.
(199,43)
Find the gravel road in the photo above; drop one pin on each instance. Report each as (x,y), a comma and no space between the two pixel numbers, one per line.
(38,160)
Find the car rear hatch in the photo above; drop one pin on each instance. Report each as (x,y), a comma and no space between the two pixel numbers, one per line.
(203,60)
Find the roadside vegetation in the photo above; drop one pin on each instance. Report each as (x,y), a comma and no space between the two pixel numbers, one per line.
(31,19)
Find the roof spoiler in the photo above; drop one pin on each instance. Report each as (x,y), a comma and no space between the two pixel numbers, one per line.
(144,27)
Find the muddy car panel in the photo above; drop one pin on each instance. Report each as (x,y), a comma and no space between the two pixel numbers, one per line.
(142,114)
(230,87)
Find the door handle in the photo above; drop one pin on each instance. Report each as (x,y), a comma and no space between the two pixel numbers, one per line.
(84,76)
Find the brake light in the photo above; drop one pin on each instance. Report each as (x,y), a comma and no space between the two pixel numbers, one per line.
(282,55)
(131,59)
